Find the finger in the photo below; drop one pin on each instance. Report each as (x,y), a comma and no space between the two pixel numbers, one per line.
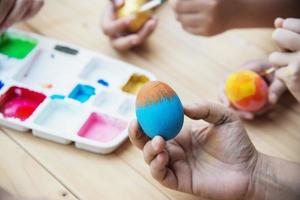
(245,115)
(190,6)
(111,26)
(210,112)
(146,30)
(16,14)
(257,65)
(35,7)
(5,8)
(292,24)
(136,135)
(153,148)
(278,22)
(286,73)
(282,58)
(158,166)
(126,42)
(287,39)
(276,89)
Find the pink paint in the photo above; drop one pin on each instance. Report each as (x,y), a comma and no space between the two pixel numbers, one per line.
(102,128)
(20,103)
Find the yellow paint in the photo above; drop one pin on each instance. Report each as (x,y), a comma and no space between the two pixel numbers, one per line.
(135,83)
(131,8)
(241,85)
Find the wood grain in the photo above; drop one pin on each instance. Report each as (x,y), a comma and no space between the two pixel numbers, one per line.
(194,66)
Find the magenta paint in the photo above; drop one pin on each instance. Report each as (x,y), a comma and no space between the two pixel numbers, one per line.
(20,102)
(102,128)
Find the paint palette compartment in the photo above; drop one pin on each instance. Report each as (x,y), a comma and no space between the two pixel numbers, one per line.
(101,129)
(65,93)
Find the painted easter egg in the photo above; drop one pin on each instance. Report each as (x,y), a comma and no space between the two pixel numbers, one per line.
(247,91)
(159,110)
(131,8)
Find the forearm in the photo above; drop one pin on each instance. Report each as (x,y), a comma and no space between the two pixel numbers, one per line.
(261,13)
(274,179)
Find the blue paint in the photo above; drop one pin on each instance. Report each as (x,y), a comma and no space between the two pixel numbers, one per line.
(1,85)
(164,118)
(57,96)
(103,82)
(82,93)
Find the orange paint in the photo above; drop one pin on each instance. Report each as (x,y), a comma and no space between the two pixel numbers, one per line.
(154,91)
(247,91)
(48,86)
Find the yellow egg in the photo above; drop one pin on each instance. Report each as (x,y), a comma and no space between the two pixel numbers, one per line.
(131,8)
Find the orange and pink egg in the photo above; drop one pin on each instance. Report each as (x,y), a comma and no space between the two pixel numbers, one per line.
(247,91)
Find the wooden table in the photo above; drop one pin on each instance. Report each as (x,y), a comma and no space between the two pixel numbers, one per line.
(194,66)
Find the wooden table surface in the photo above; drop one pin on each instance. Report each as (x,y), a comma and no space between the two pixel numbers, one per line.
(194,66)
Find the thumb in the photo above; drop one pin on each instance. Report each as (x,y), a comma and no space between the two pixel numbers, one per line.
(276,89)
(210,112)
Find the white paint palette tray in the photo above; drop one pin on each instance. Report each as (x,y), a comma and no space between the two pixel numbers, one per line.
(66,94)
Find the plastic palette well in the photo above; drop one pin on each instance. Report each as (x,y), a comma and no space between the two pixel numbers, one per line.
(82,93)
(61,117)
(49,70)
(102,128)
(135,83)
(16,46)
(20,103)
(104,72)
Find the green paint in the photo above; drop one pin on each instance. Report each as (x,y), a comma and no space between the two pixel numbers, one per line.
(16,46)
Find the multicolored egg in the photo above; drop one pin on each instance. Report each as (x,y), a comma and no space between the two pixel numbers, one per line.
(159,110)
(131,8)
(247,91)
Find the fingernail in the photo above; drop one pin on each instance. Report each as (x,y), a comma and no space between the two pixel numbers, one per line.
(279,22)
(155,143)
(272,98)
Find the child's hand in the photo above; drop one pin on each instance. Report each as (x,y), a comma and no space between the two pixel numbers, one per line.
(214,160)
(13,11)
(201,17)
(115,29)
(287,36)
(276,89)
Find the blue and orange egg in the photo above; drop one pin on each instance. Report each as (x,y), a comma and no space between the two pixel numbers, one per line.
(159,110)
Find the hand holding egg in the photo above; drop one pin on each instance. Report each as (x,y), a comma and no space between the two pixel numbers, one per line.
(249,99)
(125,26)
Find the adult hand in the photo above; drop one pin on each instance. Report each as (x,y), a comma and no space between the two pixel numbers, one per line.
(214,160)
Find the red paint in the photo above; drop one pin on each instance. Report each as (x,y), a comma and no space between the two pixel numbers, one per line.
(20,102)
(257,101)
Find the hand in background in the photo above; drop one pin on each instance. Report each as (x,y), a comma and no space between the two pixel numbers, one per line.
(276,89)
(287,37)
(116,29)
(201,17)
(13,11)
